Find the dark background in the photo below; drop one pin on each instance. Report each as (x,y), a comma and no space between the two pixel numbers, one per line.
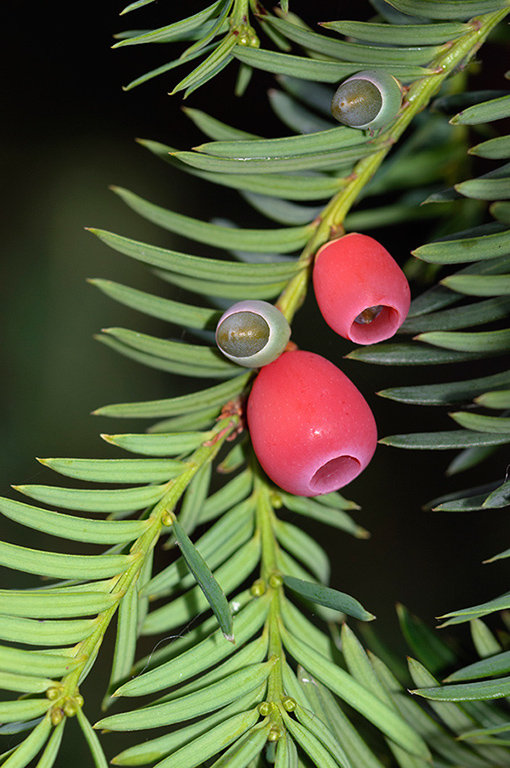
(67,132)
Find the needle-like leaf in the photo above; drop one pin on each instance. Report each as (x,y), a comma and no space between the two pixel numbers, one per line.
(207,582)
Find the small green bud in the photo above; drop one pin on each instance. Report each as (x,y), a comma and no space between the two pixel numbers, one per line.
(258,588)
(276,500)
(56,716)
(289,704)
(167,519)
(70,707)
(274,734)
(275,580)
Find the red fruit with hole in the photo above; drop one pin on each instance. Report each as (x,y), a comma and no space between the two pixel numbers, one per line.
(311,428)
(361,291)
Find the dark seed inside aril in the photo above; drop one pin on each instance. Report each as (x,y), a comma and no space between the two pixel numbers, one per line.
(368,315)
(243,334)
(357,102)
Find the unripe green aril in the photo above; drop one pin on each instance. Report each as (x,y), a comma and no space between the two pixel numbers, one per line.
(242,334)
(367,100)
(252,333)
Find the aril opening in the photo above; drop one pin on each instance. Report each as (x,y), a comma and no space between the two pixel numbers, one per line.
(381,326)
(334,474)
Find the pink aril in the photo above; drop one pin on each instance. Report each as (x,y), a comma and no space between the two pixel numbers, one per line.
(312,430)
(361,291)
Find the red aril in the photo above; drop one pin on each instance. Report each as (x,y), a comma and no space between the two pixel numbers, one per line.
(361,291)
(312,430)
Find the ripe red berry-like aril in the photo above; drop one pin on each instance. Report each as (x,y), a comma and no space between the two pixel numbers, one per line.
(312,430)
(361,291)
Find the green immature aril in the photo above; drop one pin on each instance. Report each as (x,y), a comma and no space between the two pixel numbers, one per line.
(252,333)
(367,100)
